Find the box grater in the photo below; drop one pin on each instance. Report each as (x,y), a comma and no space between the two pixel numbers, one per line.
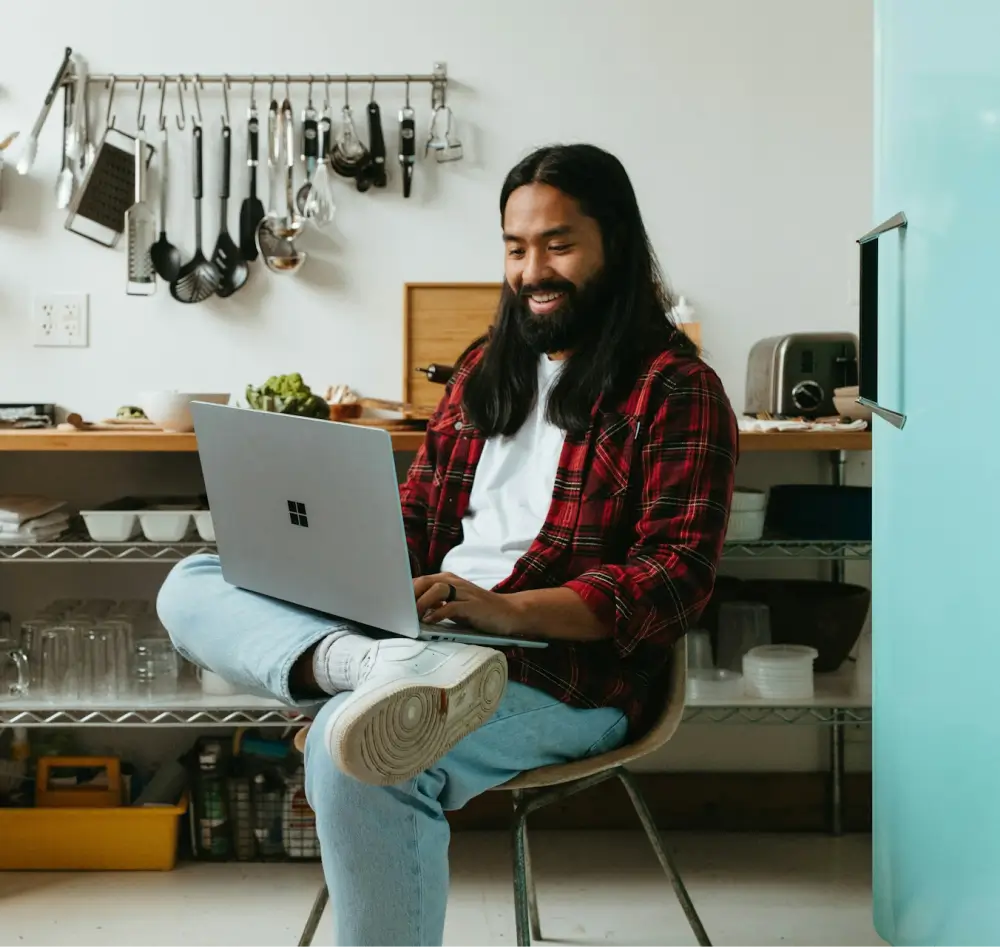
(108,190)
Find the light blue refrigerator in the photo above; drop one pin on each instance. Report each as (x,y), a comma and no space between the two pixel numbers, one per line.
(931,299)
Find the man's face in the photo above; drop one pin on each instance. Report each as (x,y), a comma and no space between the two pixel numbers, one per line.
(554,263)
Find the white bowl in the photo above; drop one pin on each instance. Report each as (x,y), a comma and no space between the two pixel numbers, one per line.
(745,526)
(212,684)
(171,410)
(165,526)
(203,523)
(845,403)
(109,526)
(746,500)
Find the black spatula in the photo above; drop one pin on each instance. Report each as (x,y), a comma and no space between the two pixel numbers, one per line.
(227,258)
(252,210)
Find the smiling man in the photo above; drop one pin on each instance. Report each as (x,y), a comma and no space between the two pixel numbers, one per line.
(574,486)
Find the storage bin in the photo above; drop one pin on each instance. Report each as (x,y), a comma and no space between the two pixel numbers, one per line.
(128,838)
(820,512)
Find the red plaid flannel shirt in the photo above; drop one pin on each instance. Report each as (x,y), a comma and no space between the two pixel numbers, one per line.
(636,525)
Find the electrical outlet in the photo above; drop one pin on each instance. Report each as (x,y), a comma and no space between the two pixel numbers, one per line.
(61,319)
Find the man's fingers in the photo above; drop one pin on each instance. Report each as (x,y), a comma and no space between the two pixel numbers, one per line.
(432,597)
(453,611)
(424,583)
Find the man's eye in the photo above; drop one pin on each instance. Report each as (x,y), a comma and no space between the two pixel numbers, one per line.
(515,251)
(561,247)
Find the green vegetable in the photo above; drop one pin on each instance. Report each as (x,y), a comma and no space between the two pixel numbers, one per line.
(287,394)
(130,412)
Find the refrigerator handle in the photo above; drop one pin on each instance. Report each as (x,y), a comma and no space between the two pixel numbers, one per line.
(868,322)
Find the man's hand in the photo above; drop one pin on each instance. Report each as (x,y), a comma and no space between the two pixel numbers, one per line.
(488,612)
(544,614)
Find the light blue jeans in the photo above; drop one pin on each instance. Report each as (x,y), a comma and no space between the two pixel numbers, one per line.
(385,850)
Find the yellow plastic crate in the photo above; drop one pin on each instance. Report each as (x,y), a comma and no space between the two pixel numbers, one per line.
(119,839)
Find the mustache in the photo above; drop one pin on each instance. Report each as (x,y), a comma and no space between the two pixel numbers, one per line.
(547,286)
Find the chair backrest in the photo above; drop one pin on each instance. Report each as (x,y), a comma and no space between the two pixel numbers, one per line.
(656,736)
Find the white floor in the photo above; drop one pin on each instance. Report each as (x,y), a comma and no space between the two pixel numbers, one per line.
(593,888)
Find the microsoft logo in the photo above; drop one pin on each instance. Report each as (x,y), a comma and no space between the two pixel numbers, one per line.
(297,513)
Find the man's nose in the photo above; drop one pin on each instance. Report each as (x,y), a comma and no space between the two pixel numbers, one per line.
(536,268)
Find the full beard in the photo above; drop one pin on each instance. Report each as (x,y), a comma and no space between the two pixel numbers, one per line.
(561,330)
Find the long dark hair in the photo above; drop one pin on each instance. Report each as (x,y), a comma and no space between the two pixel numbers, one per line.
(501,390)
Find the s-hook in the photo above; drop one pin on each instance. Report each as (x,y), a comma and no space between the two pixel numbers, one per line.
(225,100)
(109,118)
(161,120)
(197,101)
(140,119)
(181,119)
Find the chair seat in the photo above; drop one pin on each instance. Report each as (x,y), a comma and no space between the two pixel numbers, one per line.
(661,731)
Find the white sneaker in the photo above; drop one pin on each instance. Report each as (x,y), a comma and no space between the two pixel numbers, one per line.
(413,702)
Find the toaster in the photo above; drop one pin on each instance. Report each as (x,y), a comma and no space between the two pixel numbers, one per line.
(794,375)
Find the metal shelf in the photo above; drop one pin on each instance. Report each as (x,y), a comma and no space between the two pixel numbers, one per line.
(832,704)
(829,550)
(190,710)
(78,548)
(811,716)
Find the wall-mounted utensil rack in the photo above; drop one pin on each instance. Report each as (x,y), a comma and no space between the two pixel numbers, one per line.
(437,79)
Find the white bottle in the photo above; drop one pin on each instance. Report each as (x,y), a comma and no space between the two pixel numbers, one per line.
(683,312)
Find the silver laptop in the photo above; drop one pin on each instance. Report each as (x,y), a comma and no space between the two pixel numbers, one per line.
(307,511)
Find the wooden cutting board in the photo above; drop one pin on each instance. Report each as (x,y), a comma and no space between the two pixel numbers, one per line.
(440,320)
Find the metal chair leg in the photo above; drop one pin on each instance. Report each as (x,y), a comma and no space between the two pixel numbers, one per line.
(666,861)
(315,915)
(529,883)
(525,902)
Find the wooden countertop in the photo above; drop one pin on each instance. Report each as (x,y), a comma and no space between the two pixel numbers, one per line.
(158,441)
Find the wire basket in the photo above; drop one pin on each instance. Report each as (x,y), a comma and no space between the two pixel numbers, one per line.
(247,809)
(11,777)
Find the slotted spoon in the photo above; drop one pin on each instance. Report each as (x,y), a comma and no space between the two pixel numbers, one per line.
(198,278)
(227,259)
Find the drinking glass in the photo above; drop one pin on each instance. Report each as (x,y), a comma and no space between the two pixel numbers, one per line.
(59,662)
(123,634)
(99,663)
(155,668)
(699,650)
(742,626)
(59,608)
(15,675)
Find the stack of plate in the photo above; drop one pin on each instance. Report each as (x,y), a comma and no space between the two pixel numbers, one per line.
(779,672)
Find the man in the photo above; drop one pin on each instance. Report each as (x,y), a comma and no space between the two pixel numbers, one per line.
(574,486)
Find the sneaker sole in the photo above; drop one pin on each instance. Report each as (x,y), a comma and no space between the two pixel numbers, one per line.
(397,731)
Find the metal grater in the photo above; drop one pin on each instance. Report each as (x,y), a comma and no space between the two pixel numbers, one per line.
(108,190)
(141,225)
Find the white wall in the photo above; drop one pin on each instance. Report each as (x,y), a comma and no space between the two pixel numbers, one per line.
(746,128)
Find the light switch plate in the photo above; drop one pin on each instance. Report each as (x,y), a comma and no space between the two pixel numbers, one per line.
(61,320)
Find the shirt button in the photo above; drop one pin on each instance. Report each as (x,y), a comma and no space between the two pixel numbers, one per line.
(458,425)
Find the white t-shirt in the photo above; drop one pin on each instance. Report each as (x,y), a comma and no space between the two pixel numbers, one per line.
(511,494)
